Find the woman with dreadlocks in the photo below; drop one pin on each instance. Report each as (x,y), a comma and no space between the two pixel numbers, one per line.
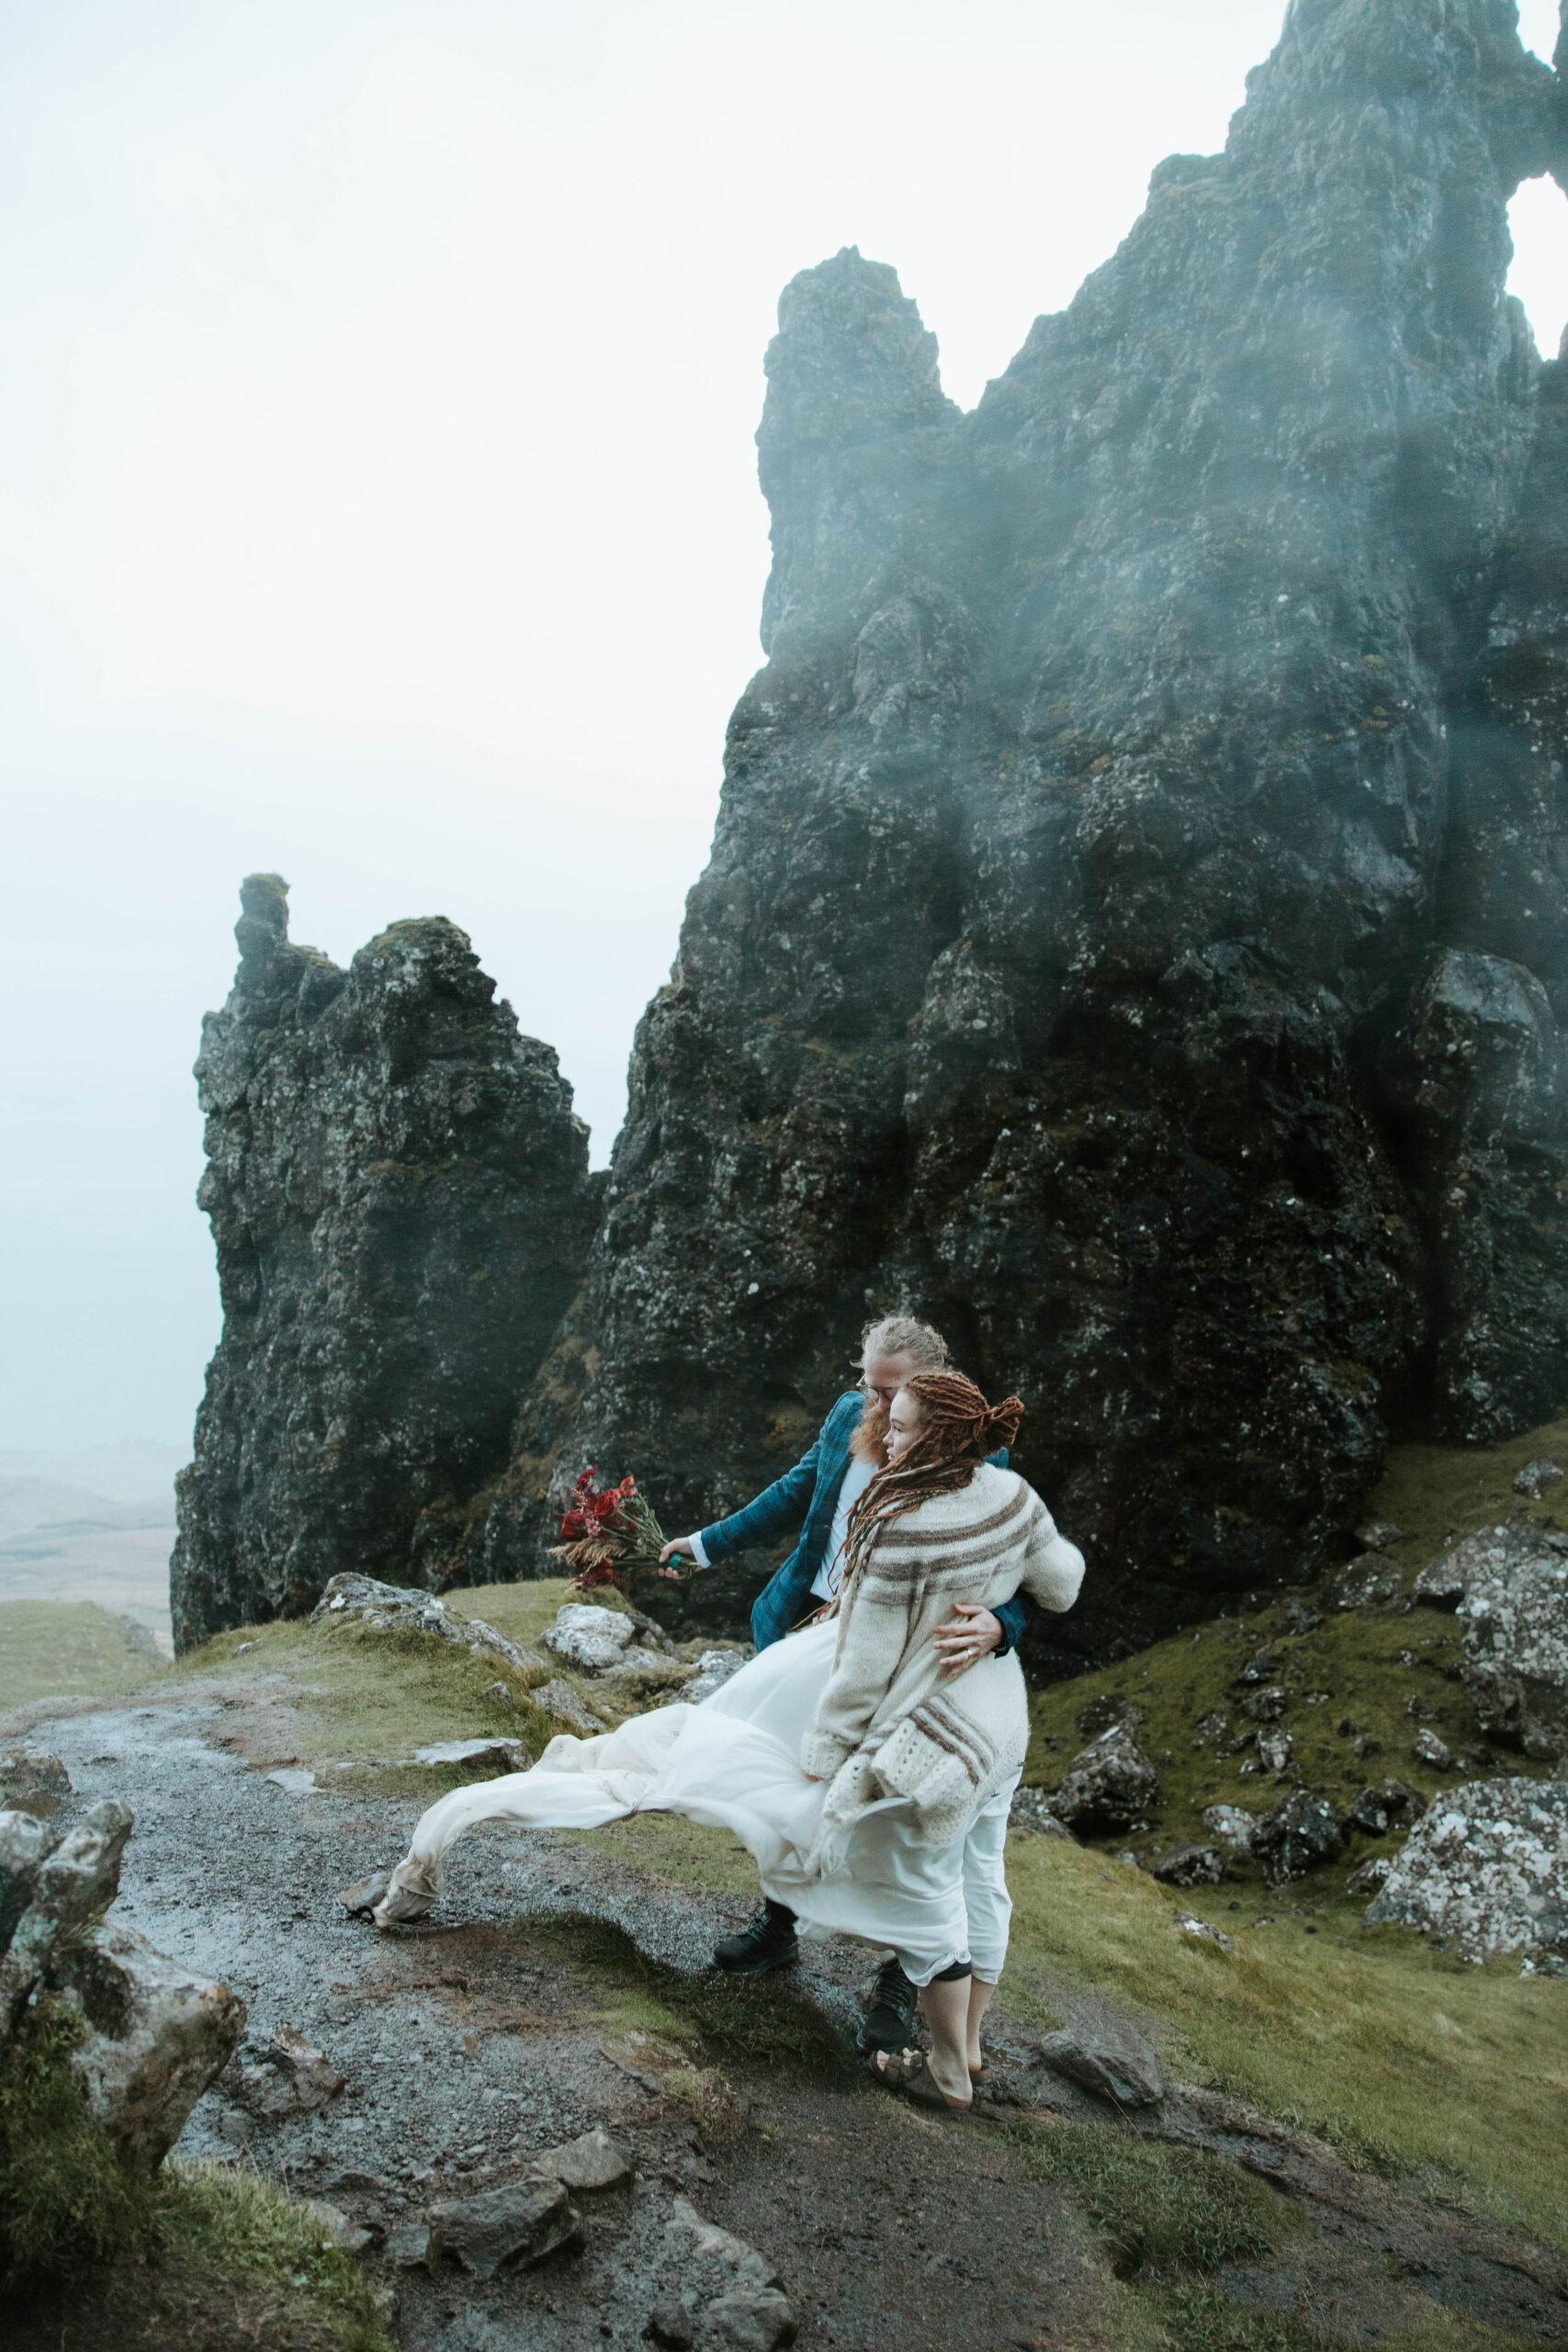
(869,1778)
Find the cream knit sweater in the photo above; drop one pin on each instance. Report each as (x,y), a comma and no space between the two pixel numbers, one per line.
(888,1726)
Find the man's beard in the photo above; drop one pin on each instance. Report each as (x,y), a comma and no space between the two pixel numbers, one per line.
(869,1442)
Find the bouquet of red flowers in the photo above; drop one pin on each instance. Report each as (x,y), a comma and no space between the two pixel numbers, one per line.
(608,1533)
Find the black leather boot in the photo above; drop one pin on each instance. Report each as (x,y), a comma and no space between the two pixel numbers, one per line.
(890,2020)
(765,1942)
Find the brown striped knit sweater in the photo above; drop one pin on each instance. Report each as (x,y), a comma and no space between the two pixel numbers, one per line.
(888,1725)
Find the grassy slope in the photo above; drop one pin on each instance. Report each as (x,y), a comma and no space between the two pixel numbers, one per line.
(68,1648)
(1399,2053)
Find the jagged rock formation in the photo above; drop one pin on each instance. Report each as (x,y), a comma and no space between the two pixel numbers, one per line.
(400,1201)
(1136,932)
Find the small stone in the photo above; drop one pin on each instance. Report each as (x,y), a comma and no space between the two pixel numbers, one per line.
(1190,1927)
(1274,1745)
(294,1780)
(593,2161)
(485,1755)
(1370,1873)
(1232,1824)
(1300,1833)
(715,1668)
(1429,1749)
(1266,1705)
(1299,1617)
(360,1899)
(1113,2062)
(1536,1477)
(510,2228)
(1258,1668)
(1190,1865)
(499,1694)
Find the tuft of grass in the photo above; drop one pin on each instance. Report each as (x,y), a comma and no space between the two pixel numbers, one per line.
(1161,2210)
(63,2193)
(1200,2318)
(217,2222)
(70,1648)
(71,2211)
(760,2020)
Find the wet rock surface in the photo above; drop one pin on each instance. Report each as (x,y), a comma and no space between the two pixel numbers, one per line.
(399,1203)
(1487,1864)
(1195,797)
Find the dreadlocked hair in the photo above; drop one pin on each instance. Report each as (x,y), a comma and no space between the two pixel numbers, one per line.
(957,1431)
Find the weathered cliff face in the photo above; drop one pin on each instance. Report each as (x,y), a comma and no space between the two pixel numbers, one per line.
(1135,928)
(400,1201)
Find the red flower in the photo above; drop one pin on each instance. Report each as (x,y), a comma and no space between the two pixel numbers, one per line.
(603,1574)
(586,1480)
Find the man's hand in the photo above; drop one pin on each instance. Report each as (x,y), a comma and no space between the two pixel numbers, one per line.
(971,1633)
(681,1544)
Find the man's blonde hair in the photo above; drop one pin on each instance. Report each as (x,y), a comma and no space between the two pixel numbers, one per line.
(901,1335)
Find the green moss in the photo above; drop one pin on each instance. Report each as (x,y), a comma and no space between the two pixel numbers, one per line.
(63,2194)
(1160,2210)
(70,2212)
(217,2223)
(54,1648)
(760,2017)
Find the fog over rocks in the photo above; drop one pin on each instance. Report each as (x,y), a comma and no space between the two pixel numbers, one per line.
(1135,934)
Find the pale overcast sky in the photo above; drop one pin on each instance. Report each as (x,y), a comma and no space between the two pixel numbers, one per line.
(378,503)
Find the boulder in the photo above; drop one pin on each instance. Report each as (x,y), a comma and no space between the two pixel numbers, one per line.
(1031,1812)
(589,1637)
(293,2078)
(1537,1477)
(1190,1865)
(1232,1824)
(559,1700)
(591,2162)
(730,2298)
(1514,1652)
(1108,1784)
(157,2037)
(1114,2061)
(32,1782)
(510,2228)
(1367,1580)
(24,1842)
(714,1668)
(1300,1835)
(153,2036)
(1384,1805)
(73,1887)
(1488,1864)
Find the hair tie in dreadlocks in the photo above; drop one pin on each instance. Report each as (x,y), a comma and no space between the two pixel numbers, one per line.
(957,1431)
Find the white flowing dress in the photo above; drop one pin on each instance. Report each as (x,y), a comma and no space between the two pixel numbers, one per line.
(731,1763)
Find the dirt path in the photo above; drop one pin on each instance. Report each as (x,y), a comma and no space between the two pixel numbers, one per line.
(473,2042)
